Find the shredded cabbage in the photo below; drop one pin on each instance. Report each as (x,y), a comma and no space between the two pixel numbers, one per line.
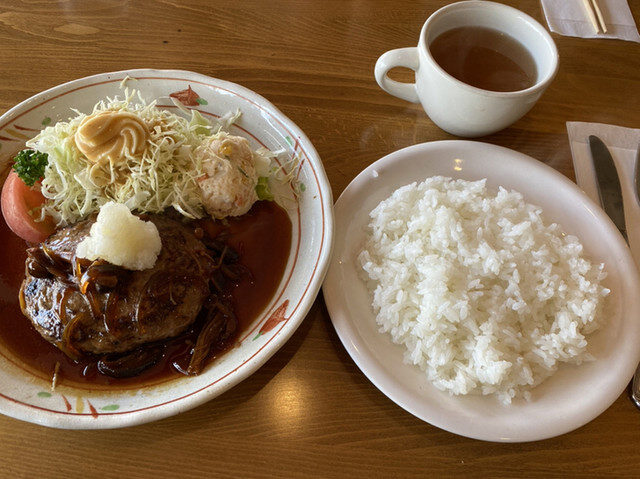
(284,171)
(165,176)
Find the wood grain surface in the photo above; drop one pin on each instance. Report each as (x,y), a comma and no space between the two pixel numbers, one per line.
(309,412)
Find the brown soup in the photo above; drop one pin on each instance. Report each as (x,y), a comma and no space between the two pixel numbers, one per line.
(484,58)
(262,238)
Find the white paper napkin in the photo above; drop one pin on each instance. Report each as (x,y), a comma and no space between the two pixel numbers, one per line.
(569,17)
(623,143)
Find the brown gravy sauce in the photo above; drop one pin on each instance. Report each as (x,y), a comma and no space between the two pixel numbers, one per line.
(262,237)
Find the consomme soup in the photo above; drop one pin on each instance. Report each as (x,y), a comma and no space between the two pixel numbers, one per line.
(484,58)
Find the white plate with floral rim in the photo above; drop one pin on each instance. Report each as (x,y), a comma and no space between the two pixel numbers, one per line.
(575,394)
(25,394)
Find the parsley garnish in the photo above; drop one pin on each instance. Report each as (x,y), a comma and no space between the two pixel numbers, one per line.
(30,165)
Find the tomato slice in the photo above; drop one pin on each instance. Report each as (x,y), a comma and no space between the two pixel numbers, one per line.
(17,201)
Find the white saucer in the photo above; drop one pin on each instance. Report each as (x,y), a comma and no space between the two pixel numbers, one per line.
(575,394)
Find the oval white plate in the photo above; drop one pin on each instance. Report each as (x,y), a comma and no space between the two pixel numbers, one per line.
(567,400)
(25,394)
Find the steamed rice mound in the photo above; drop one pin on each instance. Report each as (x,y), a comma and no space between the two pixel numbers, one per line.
(483,294)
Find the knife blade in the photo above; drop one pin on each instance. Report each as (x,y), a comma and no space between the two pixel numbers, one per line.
(609,189)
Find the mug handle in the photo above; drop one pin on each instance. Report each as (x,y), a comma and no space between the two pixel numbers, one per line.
(400,57)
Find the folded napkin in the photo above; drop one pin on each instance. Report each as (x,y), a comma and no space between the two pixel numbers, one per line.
(623,143)
(569,17)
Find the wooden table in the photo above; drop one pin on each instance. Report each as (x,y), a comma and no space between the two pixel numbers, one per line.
(309,411)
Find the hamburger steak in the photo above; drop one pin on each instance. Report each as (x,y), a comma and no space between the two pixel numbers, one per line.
(93,307)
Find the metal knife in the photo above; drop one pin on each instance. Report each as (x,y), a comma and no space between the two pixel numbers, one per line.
(611,200)
(609,189)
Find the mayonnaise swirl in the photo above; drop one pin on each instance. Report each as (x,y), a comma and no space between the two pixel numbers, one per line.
(109,135)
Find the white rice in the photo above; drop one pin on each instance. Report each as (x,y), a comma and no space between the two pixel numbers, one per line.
(483,294)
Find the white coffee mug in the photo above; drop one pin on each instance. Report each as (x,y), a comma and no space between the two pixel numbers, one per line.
(454,106)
